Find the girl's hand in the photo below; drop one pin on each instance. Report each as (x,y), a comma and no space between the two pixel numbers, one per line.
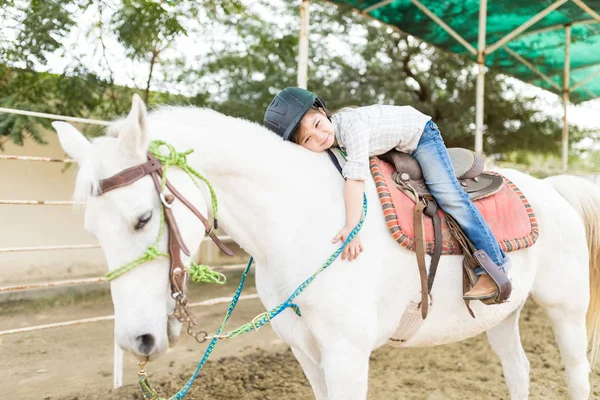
(352,249)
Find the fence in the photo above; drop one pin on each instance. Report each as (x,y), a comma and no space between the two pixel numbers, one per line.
(118,354)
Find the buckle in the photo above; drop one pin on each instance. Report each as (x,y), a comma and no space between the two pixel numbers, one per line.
(254,320)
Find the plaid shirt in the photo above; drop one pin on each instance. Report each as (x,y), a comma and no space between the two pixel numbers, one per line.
(375,130)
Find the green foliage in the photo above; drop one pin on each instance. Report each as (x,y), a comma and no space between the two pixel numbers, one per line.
(253,54)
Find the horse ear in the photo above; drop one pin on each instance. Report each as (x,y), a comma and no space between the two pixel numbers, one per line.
(72,141)
(133,133)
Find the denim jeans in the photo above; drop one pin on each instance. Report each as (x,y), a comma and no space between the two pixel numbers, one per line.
(438,172)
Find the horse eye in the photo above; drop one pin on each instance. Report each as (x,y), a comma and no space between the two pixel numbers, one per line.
(143,220)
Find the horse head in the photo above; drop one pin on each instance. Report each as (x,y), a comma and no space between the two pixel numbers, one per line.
(127,220)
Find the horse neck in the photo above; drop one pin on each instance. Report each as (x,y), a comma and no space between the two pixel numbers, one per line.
(260,182)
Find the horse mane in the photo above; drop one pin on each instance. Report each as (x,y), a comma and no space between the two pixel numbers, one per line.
(223,141)
(231,143)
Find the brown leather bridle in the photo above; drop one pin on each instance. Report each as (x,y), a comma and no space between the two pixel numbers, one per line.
(177,273)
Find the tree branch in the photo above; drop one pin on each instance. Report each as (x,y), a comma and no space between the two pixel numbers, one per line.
(113,96)
(423,92)
(153,60)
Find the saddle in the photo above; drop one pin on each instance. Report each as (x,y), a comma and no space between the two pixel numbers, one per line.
(468,168)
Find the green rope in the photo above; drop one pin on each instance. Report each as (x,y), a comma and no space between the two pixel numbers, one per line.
(173,158)
(201,273)
(150,254)
(151,394)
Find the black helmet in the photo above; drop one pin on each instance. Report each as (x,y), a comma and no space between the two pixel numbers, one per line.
(287,109)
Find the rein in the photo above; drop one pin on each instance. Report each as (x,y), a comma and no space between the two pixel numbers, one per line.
(156,167)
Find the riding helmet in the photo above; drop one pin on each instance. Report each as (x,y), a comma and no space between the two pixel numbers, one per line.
(287,109)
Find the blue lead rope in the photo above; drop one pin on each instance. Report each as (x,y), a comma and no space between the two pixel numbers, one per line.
(256,323)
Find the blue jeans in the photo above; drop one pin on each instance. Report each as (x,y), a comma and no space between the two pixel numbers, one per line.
(432,155)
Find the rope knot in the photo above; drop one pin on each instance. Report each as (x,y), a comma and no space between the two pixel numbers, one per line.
(203,273)
(152,253)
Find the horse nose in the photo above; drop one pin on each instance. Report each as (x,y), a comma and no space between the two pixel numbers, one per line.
(145,344)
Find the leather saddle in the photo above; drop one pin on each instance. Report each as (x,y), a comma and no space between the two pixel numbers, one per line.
(468,167)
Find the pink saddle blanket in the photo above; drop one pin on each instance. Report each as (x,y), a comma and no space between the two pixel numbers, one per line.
(507,212)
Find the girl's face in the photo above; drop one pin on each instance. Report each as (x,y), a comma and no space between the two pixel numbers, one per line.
(315,131)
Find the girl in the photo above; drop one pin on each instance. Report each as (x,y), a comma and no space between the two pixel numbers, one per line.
(301,116)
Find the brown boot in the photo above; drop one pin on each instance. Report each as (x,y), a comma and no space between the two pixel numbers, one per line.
(485,288)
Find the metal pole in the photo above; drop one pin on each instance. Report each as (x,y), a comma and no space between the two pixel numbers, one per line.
(53,116)
(480,77)
(566,91)
(303,45)
(444,26)
(524,27)
(533,68)
(117,365)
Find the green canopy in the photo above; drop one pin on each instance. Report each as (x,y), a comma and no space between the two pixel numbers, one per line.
(553,44)
(540,45)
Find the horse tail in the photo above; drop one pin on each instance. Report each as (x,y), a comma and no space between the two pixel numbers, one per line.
(584,196)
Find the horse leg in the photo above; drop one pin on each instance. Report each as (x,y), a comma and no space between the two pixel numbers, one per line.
(564,296)
(346,368)
(569,329)
(313,372)
(506,343)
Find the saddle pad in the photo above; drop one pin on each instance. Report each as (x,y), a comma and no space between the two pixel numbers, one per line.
(507,212)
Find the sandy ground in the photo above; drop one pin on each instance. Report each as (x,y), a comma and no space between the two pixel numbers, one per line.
(76,363)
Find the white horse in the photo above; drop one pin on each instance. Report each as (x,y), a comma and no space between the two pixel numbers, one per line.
(283,204)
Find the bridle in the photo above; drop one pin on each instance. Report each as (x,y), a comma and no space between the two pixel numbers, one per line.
(178,274)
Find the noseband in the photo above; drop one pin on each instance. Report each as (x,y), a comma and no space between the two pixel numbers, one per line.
(178,273)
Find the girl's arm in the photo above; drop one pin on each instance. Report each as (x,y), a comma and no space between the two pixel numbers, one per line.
(353,197)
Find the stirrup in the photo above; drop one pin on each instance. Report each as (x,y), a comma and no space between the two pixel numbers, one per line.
(503,284)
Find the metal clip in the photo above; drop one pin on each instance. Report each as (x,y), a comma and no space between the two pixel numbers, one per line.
(254,320)
(220,337)
(142,371)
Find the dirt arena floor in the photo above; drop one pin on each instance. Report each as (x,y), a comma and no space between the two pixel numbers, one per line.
(76,363)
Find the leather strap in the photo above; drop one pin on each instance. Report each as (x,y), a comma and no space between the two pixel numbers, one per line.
(130,175)
(208,229)
(466,286)
(432,212)
(150,167)
(153,168)
(498,276)
(176,244)
(335,161)
(420,250)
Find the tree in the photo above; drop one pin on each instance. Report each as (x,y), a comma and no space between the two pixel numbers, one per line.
(379,65)
(252,55)
(144,28)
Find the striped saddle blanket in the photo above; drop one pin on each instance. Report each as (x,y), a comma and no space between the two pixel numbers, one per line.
(507,212)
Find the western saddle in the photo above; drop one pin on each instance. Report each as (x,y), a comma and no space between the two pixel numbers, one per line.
(468,168)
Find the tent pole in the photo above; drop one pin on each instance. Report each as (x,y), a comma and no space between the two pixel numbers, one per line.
(516,32)
(566,91)
(480,77)
(303,45)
